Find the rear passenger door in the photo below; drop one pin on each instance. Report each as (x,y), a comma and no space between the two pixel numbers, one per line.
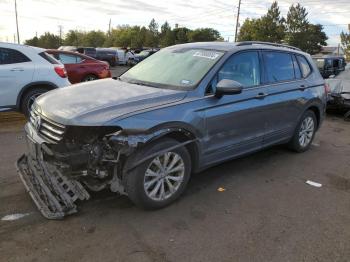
(285,95)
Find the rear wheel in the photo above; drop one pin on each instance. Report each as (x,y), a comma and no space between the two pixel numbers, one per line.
(29,98)
(160,180)
(304,133)
(89,78)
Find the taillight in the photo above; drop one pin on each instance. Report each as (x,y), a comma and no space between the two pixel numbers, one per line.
(61,71)
(327,89)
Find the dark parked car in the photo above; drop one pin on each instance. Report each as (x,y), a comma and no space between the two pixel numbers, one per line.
(88,51)
(330,65)
(339,94)
(137,58)
(81,68)
(180,111)
(108,55)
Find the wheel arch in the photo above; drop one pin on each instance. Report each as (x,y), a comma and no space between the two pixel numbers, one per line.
(27,88)
(184,136)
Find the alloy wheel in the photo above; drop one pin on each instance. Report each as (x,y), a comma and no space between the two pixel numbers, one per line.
(164,176)
(306,131)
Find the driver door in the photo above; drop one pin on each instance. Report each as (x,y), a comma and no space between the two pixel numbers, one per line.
(236,123)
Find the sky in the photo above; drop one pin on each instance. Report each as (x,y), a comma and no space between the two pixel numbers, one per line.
(39,16)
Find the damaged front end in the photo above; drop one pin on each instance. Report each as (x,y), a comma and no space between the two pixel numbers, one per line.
(64,163)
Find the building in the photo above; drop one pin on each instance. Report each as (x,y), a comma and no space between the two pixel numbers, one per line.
(331,51)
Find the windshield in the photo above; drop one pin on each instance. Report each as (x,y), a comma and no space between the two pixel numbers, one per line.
(319,62)
(144,53)
(173,68)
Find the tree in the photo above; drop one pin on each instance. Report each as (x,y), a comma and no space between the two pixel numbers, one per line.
(345,42)
(268,28)
(203,35)
(181,35)
(47,40)
(74,38)
(300,33)
(33,41)
(273,25)
(94,39)
(167,36)
(152,35)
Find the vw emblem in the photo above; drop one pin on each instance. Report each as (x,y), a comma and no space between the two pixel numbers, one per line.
(37,122)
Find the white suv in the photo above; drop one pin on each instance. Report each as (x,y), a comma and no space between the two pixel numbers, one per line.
(25,73)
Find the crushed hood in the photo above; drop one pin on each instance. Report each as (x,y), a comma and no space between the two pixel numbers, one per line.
(96,102)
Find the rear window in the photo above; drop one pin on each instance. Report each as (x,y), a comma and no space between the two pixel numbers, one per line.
(278,66)
(304,66)
(11,56)
(49,58)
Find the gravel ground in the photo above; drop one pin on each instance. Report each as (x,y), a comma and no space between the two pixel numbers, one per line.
(266,213)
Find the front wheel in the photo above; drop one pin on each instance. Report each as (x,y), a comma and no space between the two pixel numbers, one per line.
(304,133)
(161,179)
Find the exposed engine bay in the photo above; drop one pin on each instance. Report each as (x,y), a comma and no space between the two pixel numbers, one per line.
(64,163)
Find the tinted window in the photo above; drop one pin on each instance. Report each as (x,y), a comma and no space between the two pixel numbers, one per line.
(243,68)
(278,66)
(304,66)
(68,59)
(296,68)
(11,56)
(49,58)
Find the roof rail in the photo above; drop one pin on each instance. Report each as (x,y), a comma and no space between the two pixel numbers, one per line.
(266,43)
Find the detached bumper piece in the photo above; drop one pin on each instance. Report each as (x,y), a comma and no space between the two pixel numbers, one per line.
(52,192)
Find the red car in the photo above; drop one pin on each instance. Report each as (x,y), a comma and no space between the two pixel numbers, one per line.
(81,68)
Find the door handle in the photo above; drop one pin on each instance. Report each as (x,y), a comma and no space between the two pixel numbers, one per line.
(16,69)
(261,95)
(302,87)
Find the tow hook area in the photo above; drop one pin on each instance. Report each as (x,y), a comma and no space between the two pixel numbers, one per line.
(52,192)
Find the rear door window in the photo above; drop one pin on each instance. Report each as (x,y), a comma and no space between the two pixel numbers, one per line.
(68,59)
(11,56)
(278,66)
(304,66)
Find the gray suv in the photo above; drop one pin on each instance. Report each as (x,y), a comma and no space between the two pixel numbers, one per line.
(180,111)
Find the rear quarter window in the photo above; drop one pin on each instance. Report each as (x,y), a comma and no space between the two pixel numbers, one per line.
(304,66)
(49,58)
(278,66)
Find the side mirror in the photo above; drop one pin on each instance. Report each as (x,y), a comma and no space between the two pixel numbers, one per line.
(228,87)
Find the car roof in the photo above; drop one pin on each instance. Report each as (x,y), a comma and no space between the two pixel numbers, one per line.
(69,53)
(19,46)
(229,46)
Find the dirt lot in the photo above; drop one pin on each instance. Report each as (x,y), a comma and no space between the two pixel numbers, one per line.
(266,213)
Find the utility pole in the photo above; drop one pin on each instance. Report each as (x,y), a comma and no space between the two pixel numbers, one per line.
(60,30)
(17,22)
(237,21)
(109,26)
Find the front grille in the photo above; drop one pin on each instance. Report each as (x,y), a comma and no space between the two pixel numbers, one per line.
(47,129)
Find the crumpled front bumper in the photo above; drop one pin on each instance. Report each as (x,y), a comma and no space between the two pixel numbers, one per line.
(53,193)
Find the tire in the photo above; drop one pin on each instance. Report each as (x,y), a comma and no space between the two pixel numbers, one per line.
(89,78)
(307,120)
(28,99)
(139,186)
